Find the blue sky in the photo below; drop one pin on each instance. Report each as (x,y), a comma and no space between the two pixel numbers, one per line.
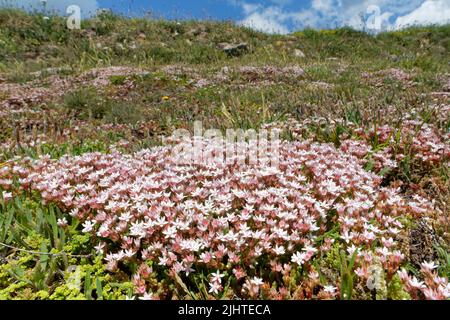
(276,16)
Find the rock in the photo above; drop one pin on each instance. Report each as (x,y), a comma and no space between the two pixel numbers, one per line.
(394,58)
(203,36)
(31,55)
(446,86)
(196,31)
(51,71)
(321,85)
(299,53)
(225,70)
(90,33)
(234,49)
(120,47)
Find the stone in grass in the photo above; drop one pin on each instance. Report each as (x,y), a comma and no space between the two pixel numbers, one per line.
(233,49)
(299,53)
(51,71)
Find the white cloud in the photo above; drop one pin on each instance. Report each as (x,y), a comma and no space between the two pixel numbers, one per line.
(430,12)
(88,7)
(269,20)
(323,14)
(249,8)
(281,2)
(323,5)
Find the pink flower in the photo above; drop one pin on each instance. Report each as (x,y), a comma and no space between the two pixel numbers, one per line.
(239,273)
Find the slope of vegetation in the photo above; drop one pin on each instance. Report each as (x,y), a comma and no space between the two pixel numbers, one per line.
(92,208)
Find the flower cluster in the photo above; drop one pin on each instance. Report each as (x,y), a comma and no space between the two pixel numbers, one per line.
(414,139)
(229,217)
(385,146)
(433,287)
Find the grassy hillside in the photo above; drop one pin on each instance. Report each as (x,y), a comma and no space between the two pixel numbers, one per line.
(120,84)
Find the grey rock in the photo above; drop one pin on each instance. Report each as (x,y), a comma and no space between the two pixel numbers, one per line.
(233,49)
(299,53)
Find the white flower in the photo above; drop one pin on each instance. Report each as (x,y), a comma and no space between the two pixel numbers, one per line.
(446,291)
(384,251)
(351,250)
(163,261)
(125,217)
(217,277)
(188,269)
(309,249)
(416,283)
(170,232)
(7,195)
(298,258)
(129,253)
(147,296)
(346,237)
(257,281)
(62,222)
(99,248)
(74,212)
(214,287)
(279,250)
(329,289)
(429,265)
(88,226)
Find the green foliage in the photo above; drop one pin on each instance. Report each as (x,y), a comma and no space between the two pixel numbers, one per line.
(347,274)
(85,104)
(395,290)
(121,112)
(444,259)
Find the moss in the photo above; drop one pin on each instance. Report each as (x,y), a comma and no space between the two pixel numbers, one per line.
(332,257)
(12,290)
(116,291)
(64,292)
(395,289)
(42,295)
